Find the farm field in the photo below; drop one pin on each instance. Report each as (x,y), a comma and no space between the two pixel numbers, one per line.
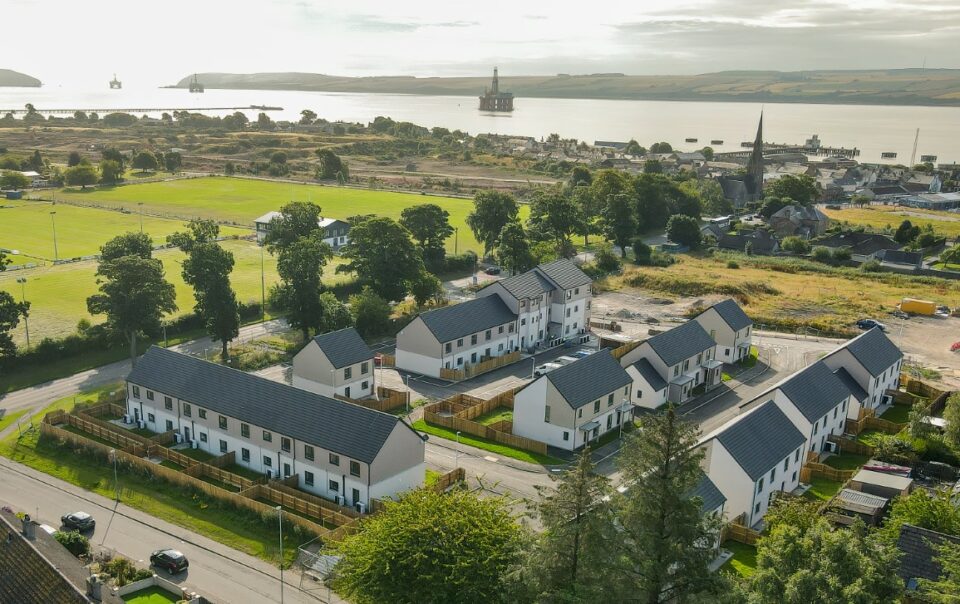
(240,201)
(27,226)
(58,294)
(880,217)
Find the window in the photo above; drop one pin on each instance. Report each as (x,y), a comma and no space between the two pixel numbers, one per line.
(699,358)
(245,430)
(356,495)
(267,462)
(686,364)
(500,347)
(203,413)
(843,407)
(580,412)
(786,463)
(500,329)
(136,391)
(510,328)
(186,409)
(267,436)
(760,485)
(223,446)
(334,486)
(334,459)
(568,313)
(284,444)
(639,393)
(576,308)
(473,339)
(151,418)
(364,367)
(169,425)
(149,395)
(566,435)
(726,352)
(609,421)
(626,391)
(816,427)
(588,305)
(546,414)
(796,455)
(773,474)
(569,294)
(364,385)
(245,454)
(355,468)
(794,477)
(473,357)
(308,478)
(610,400)
(167,403)
(834,413)
(223,422)
(596,406)
(203,437)
(676,371)
(756,510)
(348,373)
(447,347)
(459,342)
(488,335)
(523,321)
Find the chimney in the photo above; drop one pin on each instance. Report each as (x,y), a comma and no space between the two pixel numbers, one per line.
(29,527)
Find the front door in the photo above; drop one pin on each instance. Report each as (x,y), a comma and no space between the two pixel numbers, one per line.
(286,470)
(136,415)
(186,433)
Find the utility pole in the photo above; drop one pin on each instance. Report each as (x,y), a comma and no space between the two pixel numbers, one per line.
(280,525)
(141,215)
(456,241)
(263,290)
(23,298)
(53,221)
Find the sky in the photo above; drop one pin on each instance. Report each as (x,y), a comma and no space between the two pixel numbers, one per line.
(157,43)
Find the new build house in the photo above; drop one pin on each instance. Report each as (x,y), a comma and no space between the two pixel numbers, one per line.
(753,457)
(339,450)
(338,362)
(336,233)
(873,362)
(730,328)
(551,301)
(575,404)
(683,357)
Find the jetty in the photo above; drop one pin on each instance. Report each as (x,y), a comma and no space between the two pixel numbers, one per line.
(137,110)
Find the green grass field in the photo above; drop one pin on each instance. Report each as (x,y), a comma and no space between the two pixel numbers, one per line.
(822,489)
(487,445)
(240,201)
(899,414)
(744,561)
(847,461)
(880,217)
(150,595)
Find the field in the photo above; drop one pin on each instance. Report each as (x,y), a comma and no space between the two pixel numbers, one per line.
(881,217)
(240,201)
(786,293)
(28,228)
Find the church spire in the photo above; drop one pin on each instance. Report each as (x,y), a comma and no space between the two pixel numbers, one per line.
(755,167)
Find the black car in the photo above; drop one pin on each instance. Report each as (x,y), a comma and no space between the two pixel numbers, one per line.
(169,559)
(78,521)
(870,324)
(493,270)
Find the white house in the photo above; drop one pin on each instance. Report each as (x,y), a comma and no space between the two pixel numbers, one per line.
(649,389)
(338,450)
(753,457)
(336,363)
(730,327)
(336,233)
(682,357)
(575,404)
(874,363)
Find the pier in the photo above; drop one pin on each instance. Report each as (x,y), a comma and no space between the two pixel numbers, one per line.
(771,149)
(137,110)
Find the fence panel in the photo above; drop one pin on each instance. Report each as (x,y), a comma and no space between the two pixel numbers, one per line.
(740,533)
(463,406)
(624,349)
(849,445)
(113,428)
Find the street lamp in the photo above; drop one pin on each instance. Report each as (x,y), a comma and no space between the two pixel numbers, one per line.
(141,215)
(456,463)
(116,482)
(263,290)
(23,298)
(407,381)
(456,240)
(53,221)
(280,526)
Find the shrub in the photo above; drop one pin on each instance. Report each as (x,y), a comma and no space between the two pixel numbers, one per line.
(822,254)
(732,264)
(641,251)
(606,261)
(795,245)
(76,544)
(124,571)
(871,266)
(841,254)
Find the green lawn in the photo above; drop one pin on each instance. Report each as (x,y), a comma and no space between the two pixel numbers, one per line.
(487,445)
(945,266)
(431,477)
(870,437)
(197,454)
(847,461)
(10,418)
(744,561)
(495,415)
(243,471)
(822,489)
(151,595)
(899,414)
(241,200)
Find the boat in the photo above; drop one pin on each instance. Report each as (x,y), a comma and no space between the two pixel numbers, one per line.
(717,141)
(690,140)
(888,155)
(747,144)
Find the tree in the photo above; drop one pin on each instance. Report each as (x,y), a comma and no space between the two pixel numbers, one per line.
(35,162)
(110,172)
(860,200)
(951,256)
(801,189)
(371,313)
(330,165)
(555,216)
(383,256)
(935,512)
(74,542)
(709,195)
(946,589)
(83,174)
(127,244)
(10,313)
(114,154)
(264,123)
(795,245)
(492,210)
(642,252)
(13,180)
(133,294)
(580,176)
(431,548)
(589,209)
(652,166)
(429,224)
(300,266)
(606,261)
(619,221)
(707,153)
(145,161)
(207,269)
(772,205)
(512,250)
(951,413)
(572,558)
(73,159)
(797,565)
(173,161)
(666,541)
(335,314)
(684,230)
(906,232)
(661,148)
(609,182)
(297,219)
(307,117)
(426,287)
(634,148)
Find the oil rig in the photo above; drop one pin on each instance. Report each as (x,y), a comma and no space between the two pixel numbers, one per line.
(115,84)
(195,86)
(493,99)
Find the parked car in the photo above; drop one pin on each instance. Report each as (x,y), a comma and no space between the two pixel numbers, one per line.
(78,521)
(565,360)
(492,270)
(870,324)
(171,560)
(546,368)
(581,353)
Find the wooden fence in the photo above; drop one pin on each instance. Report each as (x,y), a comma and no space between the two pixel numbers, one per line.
(849,445)
(458,411)
(619,351)
(296,504)
(107,409)
(470,427)
(444,482)
(389,399)
(475,369)
(288,486)
(112,434)
(812,470)
(388,360)
(739,533)
(199,470)
(919,387)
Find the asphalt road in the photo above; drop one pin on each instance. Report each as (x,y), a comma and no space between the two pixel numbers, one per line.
(216,571)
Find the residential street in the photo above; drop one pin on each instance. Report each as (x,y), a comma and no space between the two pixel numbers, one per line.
(216,571)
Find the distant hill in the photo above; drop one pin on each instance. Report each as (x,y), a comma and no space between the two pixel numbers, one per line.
(875,87)
(15,78)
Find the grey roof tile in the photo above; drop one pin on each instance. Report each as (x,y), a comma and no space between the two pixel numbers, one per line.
(530,284)
(458,320)
(858,393)
(650,374)
(814,391)
(564,273)
(732,314)
(918,552)
(875,351)
(761,440)
(351,430)
(708,493)
(589,378)
(344,347)
(681,342)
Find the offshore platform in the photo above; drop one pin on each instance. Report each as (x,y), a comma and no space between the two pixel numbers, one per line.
(493,99)
(195,86)
(115,84)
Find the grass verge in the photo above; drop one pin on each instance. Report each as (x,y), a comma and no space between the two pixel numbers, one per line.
(744,560)
(487,445)
(10,418)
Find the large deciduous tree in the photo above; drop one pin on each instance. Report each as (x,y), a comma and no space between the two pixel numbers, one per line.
(556,217)
(492,210)
(429,225)
(331,166)
(619,221)
(684,230)
(297,219)
(371,313)
(300,266)
(145,161)
(110,172)
(10,313)
(13,180)
(513,248)
(82,174)
(801,189)
(383,256)
(431,548)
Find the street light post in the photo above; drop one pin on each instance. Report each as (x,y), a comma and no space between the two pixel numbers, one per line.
(141,215)
(23,298)
(53,221)
(456,463)
(456,241)
(407,381)
(280,526)
(263,290)
(116,481)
